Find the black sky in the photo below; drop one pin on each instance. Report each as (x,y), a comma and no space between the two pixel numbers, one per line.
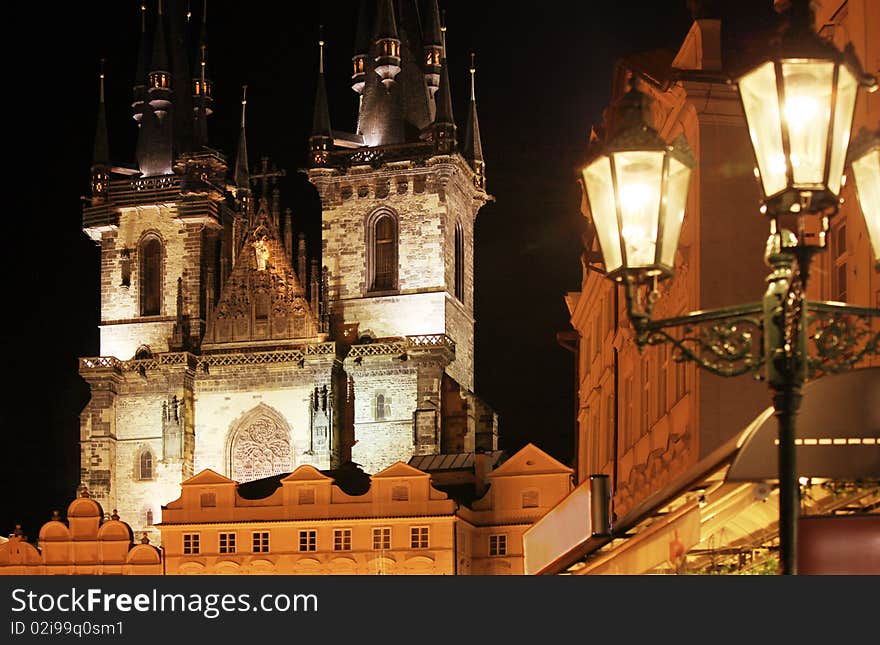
(544,73)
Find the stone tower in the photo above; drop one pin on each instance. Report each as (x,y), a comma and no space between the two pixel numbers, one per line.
(222,346)
(400,197)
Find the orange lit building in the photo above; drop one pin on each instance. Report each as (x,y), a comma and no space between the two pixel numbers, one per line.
(345,522)
(666,433)
(86,542)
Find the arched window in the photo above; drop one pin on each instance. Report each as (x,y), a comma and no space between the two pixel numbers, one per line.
(383,407)
(145,465)
(151,276)
(384,253)
(459,263)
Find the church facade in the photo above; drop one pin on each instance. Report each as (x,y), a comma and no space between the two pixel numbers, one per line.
(223,346)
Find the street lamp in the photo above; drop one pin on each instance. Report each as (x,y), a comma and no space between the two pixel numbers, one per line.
(865,154)
(799,109)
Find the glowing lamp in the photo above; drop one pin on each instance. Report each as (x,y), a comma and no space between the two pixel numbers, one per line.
(799,108)
(865,155)
(637,187)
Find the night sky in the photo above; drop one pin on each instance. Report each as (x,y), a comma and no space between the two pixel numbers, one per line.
(543,77)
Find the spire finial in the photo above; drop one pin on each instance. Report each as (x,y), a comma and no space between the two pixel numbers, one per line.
(160,7)
(443,32)
(243,103)
(473,76)
(321,49)
(103,60)
(189,12)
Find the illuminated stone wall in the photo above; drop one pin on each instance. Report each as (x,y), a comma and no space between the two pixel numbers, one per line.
(181,257)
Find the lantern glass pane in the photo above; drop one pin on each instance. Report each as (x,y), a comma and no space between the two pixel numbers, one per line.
(843,111)
(807,113)
(600,191)
(866,171)
(675,201)
(639,177)
(761,105)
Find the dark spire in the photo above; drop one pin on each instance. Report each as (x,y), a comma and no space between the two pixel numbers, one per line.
(433,46)
(322,136)
(179,45)
(361,48)
(444,122)
(387,43)
(159,60)
(203,88)
(473,147)
(242,174)
(140,75)
(101,156)
(386,25)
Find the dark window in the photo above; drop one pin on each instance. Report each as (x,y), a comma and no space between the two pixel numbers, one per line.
(151,277)
(227,543)
(308,540)
(384,254)
(191,543)
(208,499)
(261,542)
(145,466)
(459,263)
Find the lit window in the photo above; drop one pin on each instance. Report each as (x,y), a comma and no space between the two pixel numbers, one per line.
(308,540)
(382,538)
(497,545)
(399,493)
(342,540)
(145,465)
(227,543)
(418,537)
(190,543)
(261,541)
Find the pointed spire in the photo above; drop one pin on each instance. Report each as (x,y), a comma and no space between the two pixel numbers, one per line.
(444,122)
(159,60)
(387,43)
(473,146)
(433,46)
(101,156)
(361,49)
(140,77)
(242,174)
(322,136)
(203,88)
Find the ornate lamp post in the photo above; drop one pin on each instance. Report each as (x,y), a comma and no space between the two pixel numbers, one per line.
(799,108)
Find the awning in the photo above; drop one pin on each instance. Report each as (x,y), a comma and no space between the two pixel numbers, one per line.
(837,432)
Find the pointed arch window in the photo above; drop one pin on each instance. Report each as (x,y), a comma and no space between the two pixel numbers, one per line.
(145,465)
(383,252)
(151,276)
(459,263)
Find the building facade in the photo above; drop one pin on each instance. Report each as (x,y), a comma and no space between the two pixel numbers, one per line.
(669,436)
(223,344)
(400,521)
(86,541)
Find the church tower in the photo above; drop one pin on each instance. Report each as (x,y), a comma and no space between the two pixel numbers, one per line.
(223,344)
(400,196)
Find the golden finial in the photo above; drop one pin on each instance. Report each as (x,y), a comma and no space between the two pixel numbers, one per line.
(243,102)
(473,75)
(321,49)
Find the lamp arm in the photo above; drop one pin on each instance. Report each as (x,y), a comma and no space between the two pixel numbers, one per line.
(840,336)
(724,341)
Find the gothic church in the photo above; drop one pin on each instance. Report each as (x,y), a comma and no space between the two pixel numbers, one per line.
(222,345)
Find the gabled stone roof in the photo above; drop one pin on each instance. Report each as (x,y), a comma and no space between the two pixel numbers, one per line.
(262,300)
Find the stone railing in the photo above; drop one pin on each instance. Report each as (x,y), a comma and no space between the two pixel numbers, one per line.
(401,346)
(297,355)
